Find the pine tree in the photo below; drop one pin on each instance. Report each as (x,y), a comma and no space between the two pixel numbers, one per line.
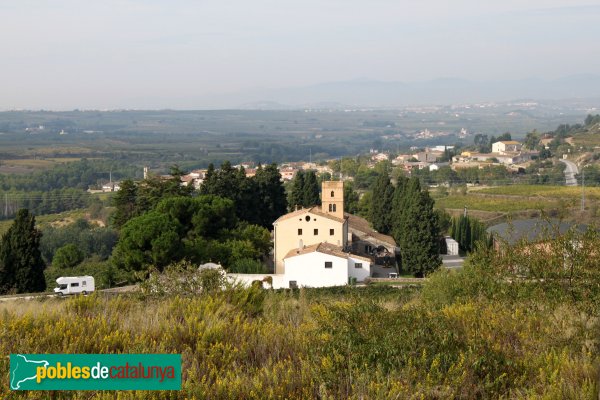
(311,190)
(21,264)
(381,207)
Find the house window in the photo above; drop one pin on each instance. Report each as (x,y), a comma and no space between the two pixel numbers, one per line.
(332,193)
(316,232)
(307,218)
(357,265)
(293,284)
(83,283)
(368,248)
(333,207)
(330,207)
(299,232)
(75,284)
(328,264)
(332,232)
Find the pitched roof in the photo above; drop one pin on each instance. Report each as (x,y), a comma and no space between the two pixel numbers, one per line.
(325,248)
(509,142)
(532,230)
(317,210)
(362,225)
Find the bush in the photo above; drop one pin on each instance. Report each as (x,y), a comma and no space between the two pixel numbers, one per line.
(67,256)
(248,266)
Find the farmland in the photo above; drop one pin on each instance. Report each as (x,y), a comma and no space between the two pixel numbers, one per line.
(495,204)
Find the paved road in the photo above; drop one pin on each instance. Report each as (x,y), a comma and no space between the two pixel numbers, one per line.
(570,172)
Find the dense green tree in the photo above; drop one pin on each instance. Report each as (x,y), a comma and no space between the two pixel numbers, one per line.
(506,136)
(150,239)
(201,229)
(272,202)
(351,198)
(468,232)
(416,228)
(90,239)
(419,244)
(311,190)
(125,203)
(21,264)
(155,188)
(592,119)
(365,177)
(296,197)
(67,256)
(381,204)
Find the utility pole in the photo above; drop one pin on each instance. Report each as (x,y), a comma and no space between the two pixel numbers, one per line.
(583,188)
(5,205)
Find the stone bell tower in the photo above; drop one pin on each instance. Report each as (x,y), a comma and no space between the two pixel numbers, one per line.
(332,198)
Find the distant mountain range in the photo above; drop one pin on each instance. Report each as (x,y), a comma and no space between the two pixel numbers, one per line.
(373,93)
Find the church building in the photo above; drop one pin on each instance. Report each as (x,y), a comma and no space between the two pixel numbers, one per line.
(324,244)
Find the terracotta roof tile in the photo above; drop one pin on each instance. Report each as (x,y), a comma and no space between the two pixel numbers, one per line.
(325,248)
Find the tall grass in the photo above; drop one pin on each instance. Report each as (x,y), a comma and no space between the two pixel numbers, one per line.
(463,336)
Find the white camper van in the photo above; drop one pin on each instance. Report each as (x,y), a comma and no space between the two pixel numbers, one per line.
(74,285)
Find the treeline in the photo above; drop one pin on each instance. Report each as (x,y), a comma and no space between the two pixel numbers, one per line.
(200,229)
(162,222)
(259,200)
(42,202)
(91,240)
(77,174)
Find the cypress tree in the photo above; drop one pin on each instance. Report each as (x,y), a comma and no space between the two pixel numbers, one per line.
(415,228)
(419,247)
(21,264)
(270,191)
(381,207)
(399,203)
(311,190)
(297,192)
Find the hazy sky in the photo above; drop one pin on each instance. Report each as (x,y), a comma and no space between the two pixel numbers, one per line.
(65,54)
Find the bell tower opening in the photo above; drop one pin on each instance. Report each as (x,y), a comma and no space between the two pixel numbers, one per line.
(333,198)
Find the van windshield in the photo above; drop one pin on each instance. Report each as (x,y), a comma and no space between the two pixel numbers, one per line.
(63,286)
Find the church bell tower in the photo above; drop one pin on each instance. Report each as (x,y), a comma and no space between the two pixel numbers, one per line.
(332,198)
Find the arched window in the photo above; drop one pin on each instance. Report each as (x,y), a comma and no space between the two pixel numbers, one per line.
(332,193)
(333,207)
(330,207)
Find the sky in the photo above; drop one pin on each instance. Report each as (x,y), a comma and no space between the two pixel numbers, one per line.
(68,54)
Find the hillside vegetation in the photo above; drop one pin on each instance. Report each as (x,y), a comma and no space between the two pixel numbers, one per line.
(489,331)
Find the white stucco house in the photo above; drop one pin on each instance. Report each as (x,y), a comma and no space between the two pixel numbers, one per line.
(324,265)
